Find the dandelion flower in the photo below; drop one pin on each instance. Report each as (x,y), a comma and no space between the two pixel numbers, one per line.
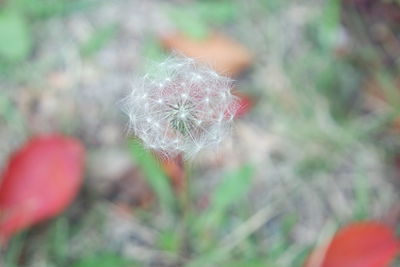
(181,106)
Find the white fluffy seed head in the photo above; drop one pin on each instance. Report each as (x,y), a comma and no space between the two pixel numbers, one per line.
(181,106)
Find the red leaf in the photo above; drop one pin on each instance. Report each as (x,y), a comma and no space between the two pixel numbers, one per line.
(40,181)
(174,169)
(363,244)
(245,104)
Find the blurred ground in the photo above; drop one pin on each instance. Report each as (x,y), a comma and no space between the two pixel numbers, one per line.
(314,152)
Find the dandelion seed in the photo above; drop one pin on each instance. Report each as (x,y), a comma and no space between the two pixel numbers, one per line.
(174,113)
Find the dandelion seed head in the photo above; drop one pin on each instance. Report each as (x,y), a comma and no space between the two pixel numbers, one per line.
(181,106)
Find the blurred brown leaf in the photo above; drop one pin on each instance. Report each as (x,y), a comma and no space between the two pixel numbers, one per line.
(131,190)
(379,97)
(226,56)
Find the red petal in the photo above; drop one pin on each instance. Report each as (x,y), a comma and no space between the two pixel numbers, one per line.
(363,244)
(40,181)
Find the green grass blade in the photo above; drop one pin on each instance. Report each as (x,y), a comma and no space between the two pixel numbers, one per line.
(154,175)
(234,186)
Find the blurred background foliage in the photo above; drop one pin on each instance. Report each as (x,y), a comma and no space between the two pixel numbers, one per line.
(317,147)
(18,19)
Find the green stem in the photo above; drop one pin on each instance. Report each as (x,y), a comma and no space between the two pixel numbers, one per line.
(186,208)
